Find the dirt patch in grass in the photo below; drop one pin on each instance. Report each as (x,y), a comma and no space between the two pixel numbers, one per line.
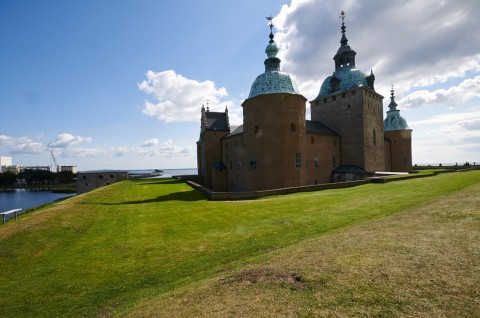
(267,275)
(424,262)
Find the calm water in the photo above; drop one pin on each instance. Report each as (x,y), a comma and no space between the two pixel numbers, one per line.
(25,199)
(168,173)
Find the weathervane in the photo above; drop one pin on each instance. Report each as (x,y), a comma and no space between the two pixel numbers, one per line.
(342,16)
(270,24)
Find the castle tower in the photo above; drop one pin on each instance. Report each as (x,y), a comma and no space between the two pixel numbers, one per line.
(273,128)
(213,127)
(348,104)
(398,139)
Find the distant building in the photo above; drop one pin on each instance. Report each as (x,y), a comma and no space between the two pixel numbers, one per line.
(13,169)
(72,169)
(4,163)
(276,147)
(91,180)
(42,168)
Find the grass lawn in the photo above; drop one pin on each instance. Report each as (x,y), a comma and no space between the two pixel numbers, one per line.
(135,247)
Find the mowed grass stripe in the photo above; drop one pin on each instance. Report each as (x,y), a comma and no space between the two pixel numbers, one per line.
(108,249)
(424,262)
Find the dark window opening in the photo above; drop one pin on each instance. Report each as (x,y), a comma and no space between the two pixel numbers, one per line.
(298,161)
(253,163)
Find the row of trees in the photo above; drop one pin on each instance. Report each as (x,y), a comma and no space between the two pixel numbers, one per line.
(32,177)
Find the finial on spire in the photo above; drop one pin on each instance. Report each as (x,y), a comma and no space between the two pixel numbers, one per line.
(270,24)
(342,16)
(392,93)
(344,40)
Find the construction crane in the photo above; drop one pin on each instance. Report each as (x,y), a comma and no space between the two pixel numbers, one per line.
(57,167)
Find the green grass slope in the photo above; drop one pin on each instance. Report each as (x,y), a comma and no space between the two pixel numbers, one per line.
(126,247)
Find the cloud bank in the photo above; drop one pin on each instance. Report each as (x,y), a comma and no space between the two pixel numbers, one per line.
(177,98)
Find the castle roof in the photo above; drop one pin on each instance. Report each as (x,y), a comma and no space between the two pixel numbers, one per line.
(272,80)
(319,128)
(216,121)
(394,121)
(346,75)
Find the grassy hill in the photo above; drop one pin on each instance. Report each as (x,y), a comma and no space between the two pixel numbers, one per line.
(158,248)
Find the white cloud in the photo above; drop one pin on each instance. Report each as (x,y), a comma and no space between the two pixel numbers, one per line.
(448,118)
(65,140)
(150,142)
(465,91)
(21,145)
(411,44)
(168,148)
(83,152)
(177,98)
(31,148)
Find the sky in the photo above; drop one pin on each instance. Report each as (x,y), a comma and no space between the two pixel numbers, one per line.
(119,84)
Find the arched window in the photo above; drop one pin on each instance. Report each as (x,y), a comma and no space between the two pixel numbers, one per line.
(374,137)
(293,127)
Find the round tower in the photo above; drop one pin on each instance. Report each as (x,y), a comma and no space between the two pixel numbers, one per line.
(398,137)
(274,127)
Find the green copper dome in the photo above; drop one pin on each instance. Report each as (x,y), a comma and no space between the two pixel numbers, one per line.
(394,121)
(273,80)
(346,78)
(346,75)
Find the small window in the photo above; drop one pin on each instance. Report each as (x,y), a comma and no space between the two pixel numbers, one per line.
(348,106)
(112,176)
(343,95)
(257,129)
(374,137)
(298,160)
(312,140)
(325,100)
(100,177)
(231,165)
(84,177)
(253,163)
(316,102)
(334,97)
(239,165)
(293,127)
(316,163)
(86,184)
(353,93)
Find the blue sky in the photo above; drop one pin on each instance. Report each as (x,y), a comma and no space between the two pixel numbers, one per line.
(120,84)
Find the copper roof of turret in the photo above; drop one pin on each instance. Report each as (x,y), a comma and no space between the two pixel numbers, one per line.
(394,121)
(272,80)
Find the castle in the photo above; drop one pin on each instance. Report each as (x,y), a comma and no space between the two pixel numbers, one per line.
(276,147)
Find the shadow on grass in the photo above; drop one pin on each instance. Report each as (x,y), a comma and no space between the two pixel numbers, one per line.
(191,195)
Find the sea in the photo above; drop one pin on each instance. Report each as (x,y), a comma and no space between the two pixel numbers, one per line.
(26,198)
